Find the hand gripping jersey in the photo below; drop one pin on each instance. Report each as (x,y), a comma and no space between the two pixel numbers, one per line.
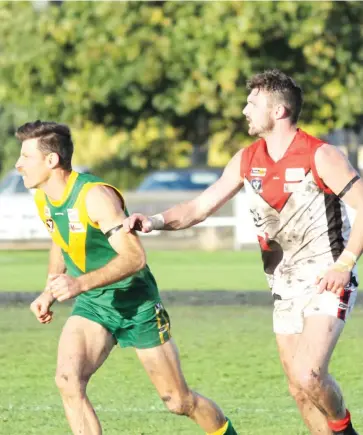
(302,225)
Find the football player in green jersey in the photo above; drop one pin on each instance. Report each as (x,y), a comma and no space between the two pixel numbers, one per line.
(105,270)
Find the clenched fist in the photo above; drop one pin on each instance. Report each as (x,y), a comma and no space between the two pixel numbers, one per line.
(41,307)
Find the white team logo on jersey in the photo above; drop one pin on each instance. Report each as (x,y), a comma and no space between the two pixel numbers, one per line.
(258,172)
(294,174)
(73,214)
(47,211)
(76,227)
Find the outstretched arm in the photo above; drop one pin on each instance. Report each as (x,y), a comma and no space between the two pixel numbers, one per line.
(192,212)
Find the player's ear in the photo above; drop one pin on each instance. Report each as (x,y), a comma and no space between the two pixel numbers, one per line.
(281,111)
(52,160)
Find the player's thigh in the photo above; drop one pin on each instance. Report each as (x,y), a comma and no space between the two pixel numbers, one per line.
(287,345)
(288,323)
(324,320)
(316,344)
(83,347)
(162,364)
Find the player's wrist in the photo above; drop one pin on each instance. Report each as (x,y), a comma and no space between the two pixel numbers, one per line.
(346,261)
(49,295)
(350,255)
(157,221)
(83,283)
(340,266)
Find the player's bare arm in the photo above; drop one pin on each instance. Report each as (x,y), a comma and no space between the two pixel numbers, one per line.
(338,174)
(41,305)
(56,264)
(105,208)
(190,213)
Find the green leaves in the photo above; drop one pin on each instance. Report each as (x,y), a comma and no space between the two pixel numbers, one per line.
(181,65)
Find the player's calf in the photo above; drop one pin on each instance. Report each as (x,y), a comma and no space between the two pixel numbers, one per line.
(343,426)
(326,395)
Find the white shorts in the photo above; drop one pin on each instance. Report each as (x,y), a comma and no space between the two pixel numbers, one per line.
(289,314)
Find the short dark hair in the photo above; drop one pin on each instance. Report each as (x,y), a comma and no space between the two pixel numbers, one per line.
(53,138)
(283,87)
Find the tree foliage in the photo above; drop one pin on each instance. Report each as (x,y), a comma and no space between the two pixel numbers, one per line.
(150,84)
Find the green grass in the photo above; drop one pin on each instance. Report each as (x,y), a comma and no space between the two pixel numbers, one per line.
(232,360)
(174,270)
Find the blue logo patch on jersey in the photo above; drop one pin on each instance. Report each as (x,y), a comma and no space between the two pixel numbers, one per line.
(256,184)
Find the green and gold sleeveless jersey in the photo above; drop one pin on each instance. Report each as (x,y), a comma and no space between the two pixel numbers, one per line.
(84,246)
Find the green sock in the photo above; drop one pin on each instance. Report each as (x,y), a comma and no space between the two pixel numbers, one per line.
(230,429)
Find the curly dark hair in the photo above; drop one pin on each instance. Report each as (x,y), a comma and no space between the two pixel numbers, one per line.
(282,87)
(53,138)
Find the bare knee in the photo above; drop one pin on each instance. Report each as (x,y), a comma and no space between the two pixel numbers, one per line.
(70,384)
(310,382)
(180,404)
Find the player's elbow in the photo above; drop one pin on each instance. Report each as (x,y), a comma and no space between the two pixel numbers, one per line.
(138,260)
(201,216)
(198,212)
(141,263)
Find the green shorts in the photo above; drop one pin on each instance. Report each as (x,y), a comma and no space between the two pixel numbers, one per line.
(142,329)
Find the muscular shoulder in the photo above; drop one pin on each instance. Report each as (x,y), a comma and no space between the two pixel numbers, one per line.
(327,156)
(102,192)
(103,199)
(234,165)
(328,151)
(334,168)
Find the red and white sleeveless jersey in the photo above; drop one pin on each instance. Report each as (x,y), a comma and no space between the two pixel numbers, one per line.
(302,225)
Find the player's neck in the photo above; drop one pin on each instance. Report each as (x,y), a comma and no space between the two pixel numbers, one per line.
(279,140)
(55,186)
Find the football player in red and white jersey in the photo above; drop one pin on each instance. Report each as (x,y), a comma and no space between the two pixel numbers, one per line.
(297,187)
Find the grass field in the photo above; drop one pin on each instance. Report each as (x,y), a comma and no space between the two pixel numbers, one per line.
(174,270)
(228,354)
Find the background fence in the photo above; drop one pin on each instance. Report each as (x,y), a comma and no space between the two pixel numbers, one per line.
(230,228)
